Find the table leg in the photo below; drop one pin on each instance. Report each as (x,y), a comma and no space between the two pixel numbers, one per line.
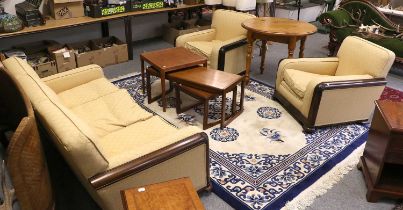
(234,93)
(242,94)
(263,58)
(128,34)
(205,113)
(223,105)
(249,55)
(163,98)
(302,47)
(148,81)
(142,75)
(292,42)
(105,28)
(205,64)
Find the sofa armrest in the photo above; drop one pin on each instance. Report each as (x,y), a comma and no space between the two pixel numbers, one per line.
(205,35)
(336,18)
(125,170)
(356,91)
(73,78)
(219,51)
(324,66)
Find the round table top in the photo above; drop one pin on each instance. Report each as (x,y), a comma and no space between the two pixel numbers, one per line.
(279,26)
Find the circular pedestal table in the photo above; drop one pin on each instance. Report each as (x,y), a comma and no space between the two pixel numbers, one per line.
(280,30)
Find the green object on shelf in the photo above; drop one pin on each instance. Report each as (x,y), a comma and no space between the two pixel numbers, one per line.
(10,23)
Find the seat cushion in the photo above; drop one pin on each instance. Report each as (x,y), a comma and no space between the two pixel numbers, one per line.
(141,138)
(87,92)
(297,80)
(111,112)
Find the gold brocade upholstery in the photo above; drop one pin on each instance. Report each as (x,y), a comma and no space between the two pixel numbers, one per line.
(358,60)
(98,127)
(209,42)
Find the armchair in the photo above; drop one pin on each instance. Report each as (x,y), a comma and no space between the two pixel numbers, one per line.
(350,15)
(224,45)
(325,91)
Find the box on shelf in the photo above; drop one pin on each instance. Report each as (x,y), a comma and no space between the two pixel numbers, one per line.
(86,53)
(38,56)
(63,56)
(137,5)
(192,2)
(64,9)
(171,31)
(114,50)
(98,10)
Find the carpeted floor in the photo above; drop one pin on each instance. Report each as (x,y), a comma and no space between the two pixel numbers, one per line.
(263,159)
(348,193)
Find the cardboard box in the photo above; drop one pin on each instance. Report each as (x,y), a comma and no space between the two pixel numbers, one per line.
(65,59)
(114,50)
(36,50)
(94,55)
(171,32)
(46,69)
(64,9)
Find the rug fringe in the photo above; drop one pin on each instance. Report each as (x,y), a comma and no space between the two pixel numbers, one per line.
(326,182)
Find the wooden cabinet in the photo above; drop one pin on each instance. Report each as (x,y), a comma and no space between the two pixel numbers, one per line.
(382,161)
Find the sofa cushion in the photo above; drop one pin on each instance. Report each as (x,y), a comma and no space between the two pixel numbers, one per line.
(111,112)
(87,92)
(74,138)
(297,80)
(141,138)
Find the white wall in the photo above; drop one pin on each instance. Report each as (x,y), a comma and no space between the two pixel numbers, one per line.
(143,27)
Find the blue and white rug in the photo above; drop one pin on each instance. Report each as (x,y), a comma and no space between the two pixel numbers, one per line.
(263,159)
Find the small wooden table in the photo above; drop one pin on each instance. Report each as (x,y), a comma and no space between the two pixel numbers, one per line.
(382,161)
(169,60)
(215,82)
(280,30)
(170,195)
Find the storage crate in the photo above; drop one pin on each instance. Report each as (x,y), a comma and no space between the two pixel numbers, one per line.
(96,10)
(146,5)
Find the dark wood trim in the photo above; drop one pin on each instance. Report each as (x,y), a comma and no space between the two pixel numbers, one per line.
(293,111)
(309,123)
(371,6)
(224,49)
(118,173)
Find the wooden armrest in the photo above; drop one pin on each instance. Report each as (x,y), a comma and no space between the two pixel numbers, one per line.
(135,166)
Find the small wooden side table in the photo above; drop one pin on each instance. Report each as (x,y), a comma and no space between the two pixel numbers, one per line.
(280,30)
(171,195)
(169,60)
(382,161)
(211,82)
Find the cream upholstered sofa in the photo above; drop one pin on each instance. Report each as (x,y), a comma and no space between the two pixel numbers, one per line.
(108,140)
(224,45)
(324,91)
